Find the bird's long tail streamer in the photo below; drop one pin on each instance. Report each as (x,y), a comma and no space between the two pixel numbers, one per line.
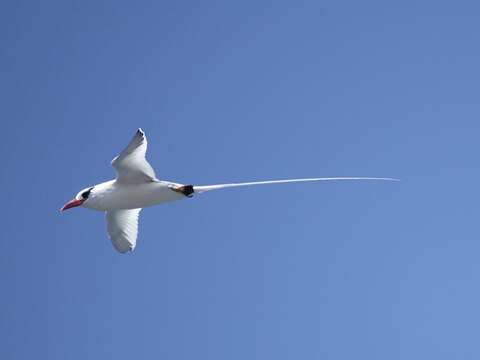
(201,189)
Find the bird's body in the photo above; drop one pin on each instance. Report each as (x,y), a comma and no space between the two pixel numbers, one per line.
(112,195)
(137,187)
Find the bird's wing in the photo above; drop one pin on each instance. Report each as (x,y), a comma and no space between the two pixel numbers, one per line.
(131,165)
(122,226)
(200,189)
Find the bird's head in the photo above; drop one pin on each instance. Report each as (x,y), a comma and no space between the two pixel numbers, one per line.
(81,197)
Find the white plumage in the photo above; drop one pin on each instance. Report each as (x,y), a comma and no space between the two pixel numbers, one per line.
(122,226)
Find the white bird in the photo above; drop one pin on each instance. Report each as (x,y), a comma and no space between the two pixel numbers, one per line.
(136,187)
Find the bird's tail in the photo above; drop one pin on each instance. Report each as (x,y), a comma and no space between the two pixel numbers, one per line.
(204,188)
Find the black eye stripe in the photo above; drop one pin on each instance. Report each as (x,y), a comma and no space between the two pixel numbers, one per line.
(85,194)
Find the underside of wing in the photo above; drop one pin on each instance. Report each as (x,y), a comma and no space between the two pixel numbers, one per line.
(122,226)
(131,165)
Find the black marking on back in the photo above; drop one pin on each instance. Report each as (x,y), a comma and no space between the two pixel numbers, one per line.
(187,190)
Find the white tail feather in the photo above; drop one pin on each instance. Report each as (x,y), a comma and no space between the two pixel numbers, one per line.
(201,189)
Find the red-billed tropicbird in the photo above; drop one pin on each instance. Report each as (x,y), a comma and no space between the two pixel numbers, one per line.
(136,187)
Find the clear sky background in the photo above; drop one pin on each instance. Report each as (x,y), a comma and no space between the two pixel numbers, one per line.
(240,91)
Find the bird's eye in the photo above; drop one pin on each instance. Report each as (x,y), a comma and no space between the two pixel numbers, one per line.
(85,194)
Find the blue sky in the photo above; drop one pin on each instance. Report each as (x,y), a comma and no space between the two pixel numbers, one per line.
(241,91)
